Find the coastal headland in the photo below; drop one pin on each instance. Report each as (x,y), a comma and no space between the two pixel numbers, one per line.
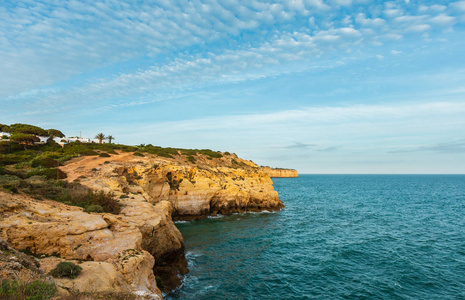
(127,242)
(280,173)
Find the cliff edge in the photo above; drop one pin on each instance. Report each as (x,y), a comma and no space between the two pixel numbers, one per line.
(208,186)
(280,173)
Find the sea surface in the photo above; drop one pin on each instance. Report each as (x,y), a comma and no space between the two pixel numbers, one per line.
(339,237)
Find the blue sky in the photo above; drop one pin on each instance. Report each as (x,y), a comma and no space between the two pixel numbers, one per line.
(323,86)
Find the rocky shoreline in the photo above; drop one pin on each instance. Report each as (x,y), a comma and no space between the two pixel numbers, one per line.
(140,249)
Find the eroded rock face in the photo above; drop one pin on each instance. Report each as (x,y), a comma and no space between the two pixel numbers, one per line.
(127,251)
(130,270)
(18,266)
(280,173)
(119,250)
(195,190)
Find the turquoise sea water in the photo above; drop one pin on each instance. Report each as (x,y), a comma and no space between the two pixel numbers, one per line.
(339,237)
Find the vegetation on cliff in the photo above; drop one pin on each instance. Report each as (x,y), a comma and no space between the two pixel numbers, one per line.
(18,164)
(152,186)
(66,269)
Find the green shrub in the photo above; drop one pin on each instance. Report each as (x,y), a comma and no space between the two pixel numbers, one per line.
(89,153)
(36,290)
(46,162)
(103,154)
(10,188)
(94,208)
(191,159)
(174,183)
(49,173)
(66,269)
(138,154)
(70,193)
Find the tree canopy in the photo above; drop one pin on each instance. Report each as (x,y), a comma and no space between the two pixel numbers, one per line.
(4,128)
(100,137)
(55,133)
(27,129)
(24,138)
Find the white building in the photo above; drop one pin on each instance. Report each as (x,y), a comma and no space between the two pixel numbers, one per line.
(62,141)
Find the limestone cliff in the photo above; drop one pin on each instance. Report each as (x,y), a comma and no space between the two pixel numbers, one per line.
(125,252)
(280,173)
(118,250)
(207,187)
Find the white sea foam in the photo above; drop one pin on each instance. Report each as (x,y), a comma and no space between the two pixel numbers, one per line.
(181,222)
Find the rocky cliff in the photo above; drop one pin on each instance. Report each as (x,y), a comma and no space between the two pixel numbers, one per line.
(196,190)
(118,252)
(128,251)
(280,173)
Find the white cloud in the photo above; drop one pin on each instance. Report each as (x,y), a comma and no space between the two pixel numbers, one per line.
(418,28)
(322,115)
(42,43)
(443,20)
(458,6)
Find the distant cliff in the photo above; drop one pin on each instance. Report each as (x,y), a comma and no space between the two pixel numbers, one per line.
(280,173)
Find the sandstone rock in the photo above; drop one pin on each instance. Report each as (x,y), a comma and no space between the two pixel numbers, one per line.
(130,270)
(103,241)
(196,191)
(18,266)
(280,173)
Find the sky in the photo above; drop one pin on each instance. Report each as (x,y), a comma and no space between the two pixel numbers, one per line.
(321,86)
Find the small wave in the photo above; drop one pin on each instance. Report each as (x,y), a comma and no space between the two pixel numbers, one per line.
(192,254)
(215,217)
(181,222)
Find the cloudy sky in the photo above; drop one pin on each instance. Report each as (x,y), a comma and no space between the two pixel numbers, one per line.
(323,86)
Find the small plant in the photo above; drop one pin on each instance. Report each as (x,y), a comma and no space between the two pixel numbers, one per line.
(66,270)
(49,173)
(174,183)
(46,162)
(36,290)
(123,196)
(89,153)
(10,188)
(94,208)
(138,154)
(103,154)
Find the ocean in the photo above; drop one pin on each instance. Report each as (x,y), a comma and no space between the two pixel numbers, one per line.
(339,237)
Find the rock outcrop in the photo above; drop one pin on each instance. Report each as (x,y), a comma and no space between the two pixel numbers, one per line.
(280,173)
(119,250)
(208,187)
(141,246)
(15,265)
